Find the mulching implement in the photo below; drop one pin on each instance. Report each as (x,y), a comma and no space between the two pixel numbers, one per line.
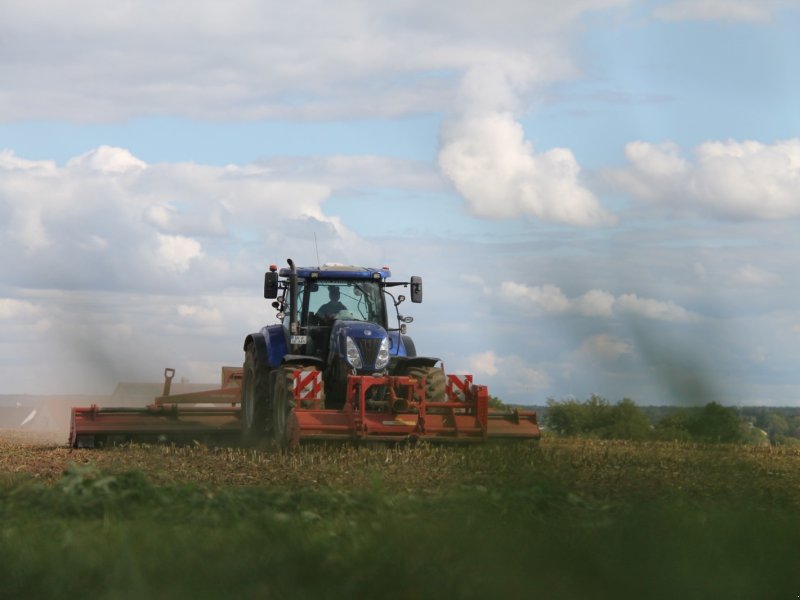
(331,369)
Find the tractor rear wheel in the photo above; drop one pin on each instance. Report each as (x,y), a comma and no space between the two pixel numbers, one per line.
(435,382)
(255,394)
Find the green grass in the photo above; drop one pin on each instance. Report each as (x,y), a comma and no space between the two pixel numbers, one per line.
(571,519)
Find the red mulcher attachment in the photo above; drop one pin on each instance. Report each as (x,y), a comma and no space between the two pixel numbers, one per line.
(196,415)
(377,408)
(402,413)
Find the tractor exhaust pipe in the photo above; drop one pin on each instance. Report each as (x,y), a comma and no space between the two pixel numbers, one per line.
(292,302)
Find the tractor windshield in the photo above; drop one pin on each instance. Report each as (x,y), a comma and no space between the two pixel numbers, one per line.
(350,300)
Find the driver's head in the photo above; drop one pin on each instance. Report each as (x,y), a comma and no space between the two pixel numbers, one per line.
(333,291)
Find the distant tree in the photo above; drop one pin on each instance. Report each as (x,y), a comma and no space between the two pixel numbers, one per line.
(497,404)
(784,440)
(710,423)
(775,424)
(628,422)
(675,426)
(596,417)
(794,426)
(717,423)
(573,418)
(565,417)
(599,415)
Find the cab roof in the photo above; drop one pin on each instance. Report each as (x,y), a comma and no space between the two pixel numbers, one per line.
(338,272)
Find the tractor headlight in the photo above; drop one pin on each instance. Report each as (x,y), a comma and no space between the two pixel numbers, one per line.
(353,355)
(383,354)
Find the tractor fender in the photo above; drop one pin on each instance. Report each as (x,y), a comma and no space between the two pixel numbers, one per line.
(408,345)
(402,345)
(404,363)
(259,345)
(270,345)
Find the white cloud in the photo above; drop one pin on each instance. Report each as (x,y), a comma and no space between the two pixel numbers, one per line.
(518,376)
(484,152)
(107,159)
(318,60)
(90,61)
(200,313)
(749,179)
(162,215)
(653,309)
(604,347)
(11,308)
(497,172)
(175,252)
(546,298)
(23,318)
(169,257)
(753,11)
(107,219)
(595,303)
(485,155)
(549,299)
(478,282)
(29,229)
(735,180)
(658,170)
(523,380)
(484,363)
(9,160)
(750,276)
(472,279)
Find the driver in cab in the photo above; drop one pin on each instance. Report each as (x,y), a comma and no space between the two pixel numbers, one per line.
(333,307)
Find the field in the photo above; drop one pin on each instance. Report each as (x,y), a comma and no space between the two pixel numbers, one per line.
(569,519)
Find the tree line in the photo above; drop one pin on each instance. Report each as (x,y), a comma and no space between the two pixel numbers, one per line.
(598,418)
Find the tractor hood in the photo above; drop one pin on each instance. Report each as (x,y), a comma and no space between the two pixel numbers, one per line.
(362,345)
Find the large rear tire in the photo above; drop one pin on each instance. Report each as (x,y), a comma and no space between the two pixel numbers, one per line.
(435,382)
(255,398)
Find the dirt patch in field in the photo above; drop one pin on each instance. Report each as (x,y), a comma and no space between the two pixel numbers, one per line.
(42,455)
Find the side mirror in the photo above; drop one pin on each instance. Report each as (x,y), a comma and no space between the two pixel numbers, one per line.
(416,289)
(270,285)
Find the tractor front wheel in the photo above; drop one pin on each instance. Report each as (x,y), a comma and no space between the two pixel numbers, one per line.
(255,393)
(283,429)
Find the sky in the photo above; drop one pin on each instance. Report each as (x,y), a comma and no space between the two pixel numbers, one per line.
(601,196)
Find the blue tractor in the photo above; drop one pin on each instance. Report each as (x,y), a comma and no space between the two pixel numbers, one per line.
(335,324)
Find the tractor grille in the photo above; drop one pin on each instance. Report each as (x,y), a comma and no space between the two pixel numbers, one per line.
(369,350)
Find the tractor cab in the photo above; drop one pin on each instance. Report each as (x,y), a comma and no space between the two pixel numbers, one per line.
(339,316)
(327,306)
(324,301)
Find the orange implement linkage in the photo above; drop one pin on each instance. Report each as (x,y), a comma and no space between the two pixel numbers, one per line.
(404,414)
